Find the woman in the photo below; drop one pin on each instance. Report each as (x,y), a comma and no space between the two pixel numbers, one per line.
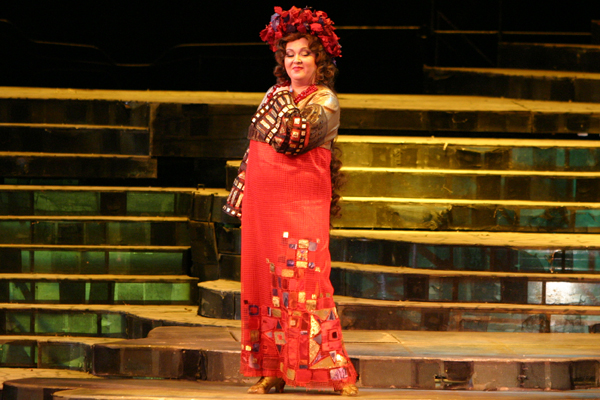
(291,332)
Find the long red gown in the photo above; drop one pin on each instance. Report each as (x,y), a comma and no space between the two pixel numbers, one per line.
(290,325)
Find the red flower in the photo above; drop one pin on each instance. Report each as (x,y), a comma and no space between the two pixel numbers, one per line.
(300,20)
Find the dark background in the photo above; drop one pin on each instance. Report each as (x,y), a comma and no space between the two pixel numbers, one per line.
(214,45)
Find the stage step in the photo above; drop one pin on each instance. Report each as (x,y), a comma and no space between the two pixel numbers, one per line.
(80,139)
(94,230)
(115,260)
(549,56)
(101,321)
(471,215)
(59,165)
(466,153)
(451,251)
(221,299)
(480,185)
(437,214)
(67,353)
(459,360)
(515,83)
(98,289)
(152,389)
(94,200)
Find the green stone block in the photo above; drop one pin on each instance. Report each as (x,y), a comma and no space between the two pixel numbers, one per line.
(535,292)
(537,260)
(147,263)
(17,322)
(129,233)
(113,325)
(479,290)
(22,354)
(73,356)
(581,158)
(441,289)
(15,232)
(587,260)
(21,292)
(151,203)
(587,220)
(56,262)
(433,257)
(129,292)
(66,203)
(552,218)
(47,292)
(66,323)
(471,258)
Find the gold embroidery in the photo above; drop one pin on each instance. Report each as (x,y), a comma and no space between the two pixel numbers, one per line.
(287,273)
(313,350)
(291,374)
(315,328)
(303,244)
(301,297)
(311,305)
(301,264)
(276,312)
(325,363)
(275,301)
(254,335)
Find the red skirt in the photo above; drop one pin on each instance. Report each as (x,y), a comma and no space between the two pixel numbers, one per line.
(290,326)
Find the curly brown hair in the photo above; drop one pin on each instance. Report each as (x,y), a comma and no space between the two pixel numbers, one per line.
(326,69)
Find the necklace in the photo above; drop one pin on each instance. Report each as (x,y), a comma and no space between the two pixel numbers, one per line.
(305,93)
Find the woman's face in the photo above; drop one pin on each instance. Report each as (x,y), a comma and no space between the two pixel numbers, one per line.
(300,63)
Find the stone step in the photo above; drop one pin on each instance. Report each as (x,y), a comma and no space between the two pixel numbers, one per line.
(470,215)
(62,165)
(154,389)
(96,320)
(451,184)
(94,200)
(214,124)
(409,284)
(467,153)
(94,230)
(431,214)
(98,289)
(71,107)
(80,139)
(515,83)
(554,254)
(115,260)
(446,360)
(221,299)
(550,56)
(546,253)
(455,155)
(65,353)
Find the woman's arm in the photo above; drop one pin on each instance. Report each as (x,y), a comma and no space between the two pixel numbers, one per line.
(292,131)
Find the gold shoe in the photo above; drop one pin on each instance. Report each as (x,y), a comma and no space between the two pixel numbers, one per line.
(348,390)
(265,384)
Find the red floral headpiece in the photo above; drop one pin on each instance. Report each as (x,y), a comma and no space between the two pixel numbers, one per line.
(305,20)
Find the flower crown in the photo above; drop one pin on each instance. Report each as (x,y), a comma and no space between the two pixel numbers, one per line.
(305,20)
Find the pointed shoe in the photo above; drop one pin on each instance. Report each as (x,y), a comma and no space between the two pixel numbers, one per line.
(265,384)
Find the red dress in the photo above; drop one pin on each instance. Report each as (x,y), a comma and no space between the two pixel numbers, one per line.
(290,325)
